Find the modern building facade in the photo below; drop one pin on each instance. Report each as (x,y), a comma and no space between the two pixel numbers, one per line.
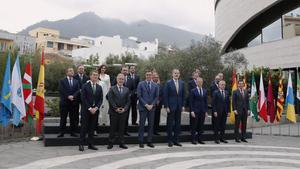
(267,32)
(50,40)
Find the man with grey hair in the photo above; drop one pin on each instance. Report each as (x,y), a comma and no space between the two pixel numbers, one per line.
(220,109)
(119,102)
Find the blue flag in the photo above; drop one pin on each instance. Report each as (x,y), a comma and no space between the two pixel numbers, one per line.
(5,101)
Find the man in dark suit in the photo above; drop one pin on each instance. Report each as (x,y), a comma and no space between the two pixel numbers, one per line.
(220,109)
(147,92)
(174,103)
(191,85)
(129,83)
(214,85)
(119,102)
(136,79)
(159,103)
(199,107)
(92,97)
(82,79)
(240,105)
(68,91)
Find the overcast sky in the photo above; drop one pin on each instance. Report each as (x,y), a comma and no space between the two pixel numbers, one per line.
(193,15)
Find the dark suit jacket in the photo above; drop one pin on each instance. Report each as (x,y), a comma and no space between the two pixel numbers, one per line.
(240,103)
(198,102)
(89,99)
(117,100)
(65,90)
(136,81)
(146,95)
(85,78)
(219,104)
(191,85)
(213,88)
(172,100)
(129,83)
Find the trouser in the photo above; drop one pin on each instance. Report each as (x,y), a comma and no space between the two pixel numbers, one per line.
(219,124)
(173,125)
(117,125)
(241,118)
(157,118)
(149,115)
(88,126)
(133,109)
(197,126)
(66,110)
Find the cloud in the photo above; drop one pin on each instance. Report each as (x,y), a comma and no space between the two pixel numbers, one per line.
(193,15)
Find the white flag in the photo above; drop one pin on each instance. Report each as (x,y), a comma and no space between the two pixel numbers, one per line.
(19,110)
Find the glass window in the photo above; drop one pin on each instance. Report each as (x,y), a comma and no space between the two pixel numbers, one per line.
(49,44)
(272,32)
(69,47)
(256,41)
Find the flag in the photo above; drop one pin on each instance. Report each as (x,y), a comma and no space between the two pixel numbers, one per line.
(245,81)
(262,104)
(298,85)
(5,101)
(27,91)
(233,88)
(270,100)
(253,99)
(280,99)
(289,102)
(17,97)
(39,104)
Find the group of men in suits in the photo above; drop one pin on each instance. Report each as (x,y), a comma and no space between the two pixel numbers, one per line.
(151,97)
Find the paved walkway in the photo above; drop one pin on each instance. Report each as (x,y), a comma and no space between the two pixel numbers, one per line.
(261,152)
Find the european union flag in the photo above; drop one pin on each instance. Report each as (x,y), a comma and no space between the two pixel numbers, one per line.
(5,101)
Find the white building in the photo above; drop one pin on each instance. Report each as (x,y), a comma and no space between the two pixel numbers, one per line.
(104,46)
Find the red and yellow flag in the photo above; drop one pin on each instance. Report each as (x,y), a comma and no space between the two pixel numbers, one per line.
(280,99)
(233,88)
(40,97)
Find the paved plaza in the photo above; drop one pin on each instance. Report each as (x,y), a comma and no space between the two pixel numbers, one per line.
(261,152)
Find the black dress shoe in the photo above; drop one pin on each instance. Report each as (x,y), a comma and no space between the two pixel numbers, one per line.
(200,142)
(170,144)
(60,135)
(244,140)
(217,142)
(123,146)
(223,141)
(126,134)
(81,148)
(92,147)
(141,145)
(178,144)
(74,135)
(237,140)
(156,133)
(194,142)
(110,146)
(150,145)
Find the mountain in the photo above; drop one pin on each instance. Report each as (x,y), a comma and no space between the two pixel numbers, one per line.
(90,24)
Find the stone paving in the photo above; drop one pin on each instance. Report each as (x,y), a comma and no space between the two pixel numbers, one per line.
(261,152)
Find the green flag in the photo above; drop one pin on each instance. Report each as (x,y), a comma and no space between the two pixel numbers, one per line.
(253,99)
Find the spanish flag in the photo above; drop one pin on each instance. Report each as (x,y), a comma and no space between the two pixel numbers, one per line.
(233,88)
(289,103)
(40,97)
